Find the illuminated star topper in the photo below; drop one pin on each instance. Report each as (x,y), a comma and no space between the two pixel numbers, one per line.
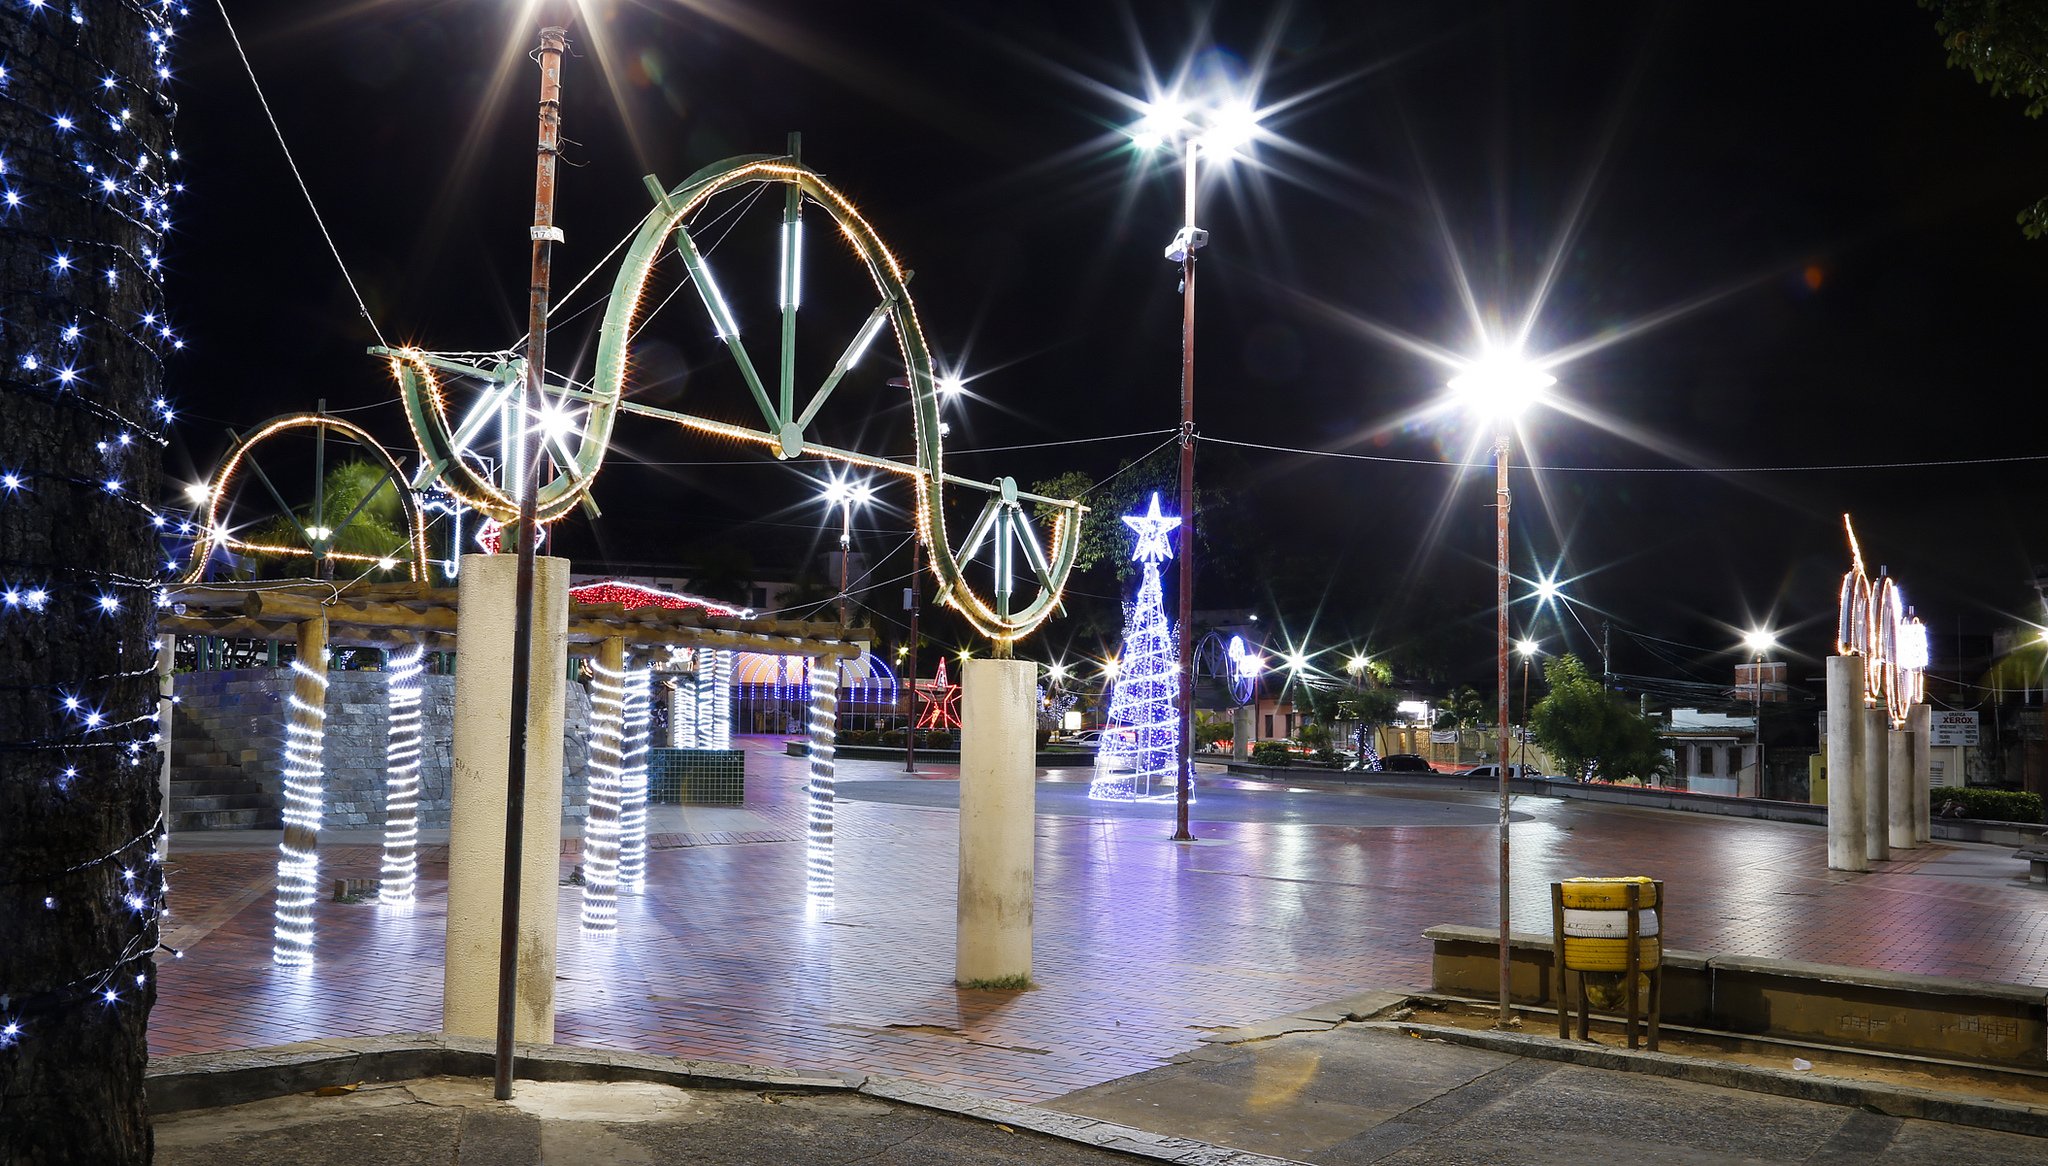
(1151,527)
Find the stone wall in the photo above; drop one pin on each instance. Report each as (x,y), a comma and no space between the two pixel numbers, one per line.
(244,711)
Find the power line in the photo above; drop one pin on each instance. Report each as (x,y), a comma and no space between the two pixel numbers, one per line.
(1549,469)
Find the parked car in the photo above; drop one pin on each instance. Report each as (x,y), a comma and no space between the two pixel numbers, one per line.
(1514,771)
(1405,763)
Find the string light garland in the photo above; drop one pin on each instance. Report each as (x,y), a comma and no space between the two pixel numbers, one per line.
(818,831)
(1140,749)
(403,690)
(88,182)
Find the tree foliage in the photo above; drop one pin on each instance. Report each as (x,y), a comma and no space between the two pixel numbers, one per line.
(2004,45)
(377,529)
(1463,709)
(1104,537)
(1589,731)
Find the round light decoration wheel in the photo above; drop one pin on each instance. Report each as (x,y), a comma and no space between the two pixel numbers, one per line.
(246,520)
(574,423)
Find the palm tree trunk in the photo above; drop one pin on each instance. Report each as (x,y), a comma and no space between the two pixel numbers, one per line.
(79,800)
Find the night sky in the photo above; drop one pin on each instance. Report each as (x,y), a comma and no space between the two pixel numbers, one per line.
(1794,225)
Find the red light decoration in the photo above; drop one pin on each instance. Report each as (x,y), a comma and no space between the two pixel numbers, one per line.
(632,595)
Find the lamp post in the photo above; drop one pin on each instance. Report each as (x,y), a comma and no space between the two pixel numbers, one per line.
(1759,641)
(1527,650)
(1217,131)
(846,495)
(1498,386)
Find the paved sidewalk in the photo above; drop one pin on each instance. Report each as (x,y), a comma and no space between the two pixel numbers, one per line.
(1142,944)
(1350,1094)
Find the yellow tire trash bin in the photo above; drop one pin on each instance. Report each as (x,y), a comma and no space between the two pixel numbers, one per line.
(1591,918)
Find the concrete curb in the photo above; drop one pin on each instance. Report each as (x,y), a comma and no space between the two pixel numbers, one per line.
(1897,1100)
(215,1080)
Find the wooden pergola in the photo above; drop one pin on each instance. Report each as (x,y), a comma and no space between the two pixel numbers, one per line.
(316,615)
(400,615)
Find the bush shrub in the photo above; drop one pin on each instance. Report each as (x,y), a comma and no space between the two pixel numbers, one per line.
(1271,753)
(1989,805)
(938,740)
(893,737)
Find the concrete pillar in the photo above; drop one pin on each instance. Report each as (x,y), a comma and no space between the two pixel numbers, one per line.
(1917,723)
(1243,728)
(997,768)
(1871,754)
(1898,772)
(476,828)
(1845,800)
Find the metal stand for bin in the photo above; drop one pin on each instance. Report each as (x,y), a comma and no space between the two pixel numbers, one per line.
(1633,969)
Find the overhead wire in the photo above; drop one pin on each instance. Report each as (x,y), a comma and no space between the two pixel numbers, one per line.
(271,117)
(1552,469)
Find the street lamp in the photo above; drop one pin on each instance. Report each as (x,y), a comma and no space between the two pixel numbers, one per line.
(1218,130)
(1527,650)
(1499,386)
(845,495)
(1759,641)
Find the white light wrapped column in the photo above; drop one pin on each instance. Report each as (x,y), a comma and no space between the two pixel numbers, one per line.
(298,860)
(824,732)
(720,735)
(682,718)
(705,687)
(402,778)
(635,715)
(607,771)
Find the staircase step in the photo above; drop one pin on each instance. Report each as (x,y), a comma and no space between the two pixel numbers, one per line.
(183,790)
(182,821)
(195,757)
(226,801)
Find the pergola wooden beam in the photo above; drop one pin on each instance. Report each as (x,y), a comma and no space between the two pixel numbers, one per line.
(394,615)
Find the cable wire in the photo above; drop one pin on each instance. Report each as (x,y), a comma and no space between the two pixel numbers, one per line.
(361,306)
(1549,469)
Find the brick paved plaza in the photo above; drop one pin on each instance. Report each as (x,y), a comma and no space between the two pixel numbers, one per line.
(1298,898)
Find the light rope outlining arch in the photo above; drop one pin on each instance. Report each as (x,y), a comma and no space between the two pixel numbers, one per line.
(215,536)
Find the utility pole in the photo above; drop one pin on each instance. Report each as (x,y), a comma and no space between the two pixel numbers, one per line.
(554,41)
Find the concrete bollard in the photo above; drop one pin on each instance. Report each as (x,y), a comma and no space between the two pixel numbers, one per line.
(1845,801)
(1898,772)
(997,811)
(1872,753)
(476,827)
(1918,723)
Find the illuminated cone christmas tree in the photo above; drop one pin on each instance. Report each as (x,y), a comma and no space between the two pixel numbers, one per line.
(1140,749)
